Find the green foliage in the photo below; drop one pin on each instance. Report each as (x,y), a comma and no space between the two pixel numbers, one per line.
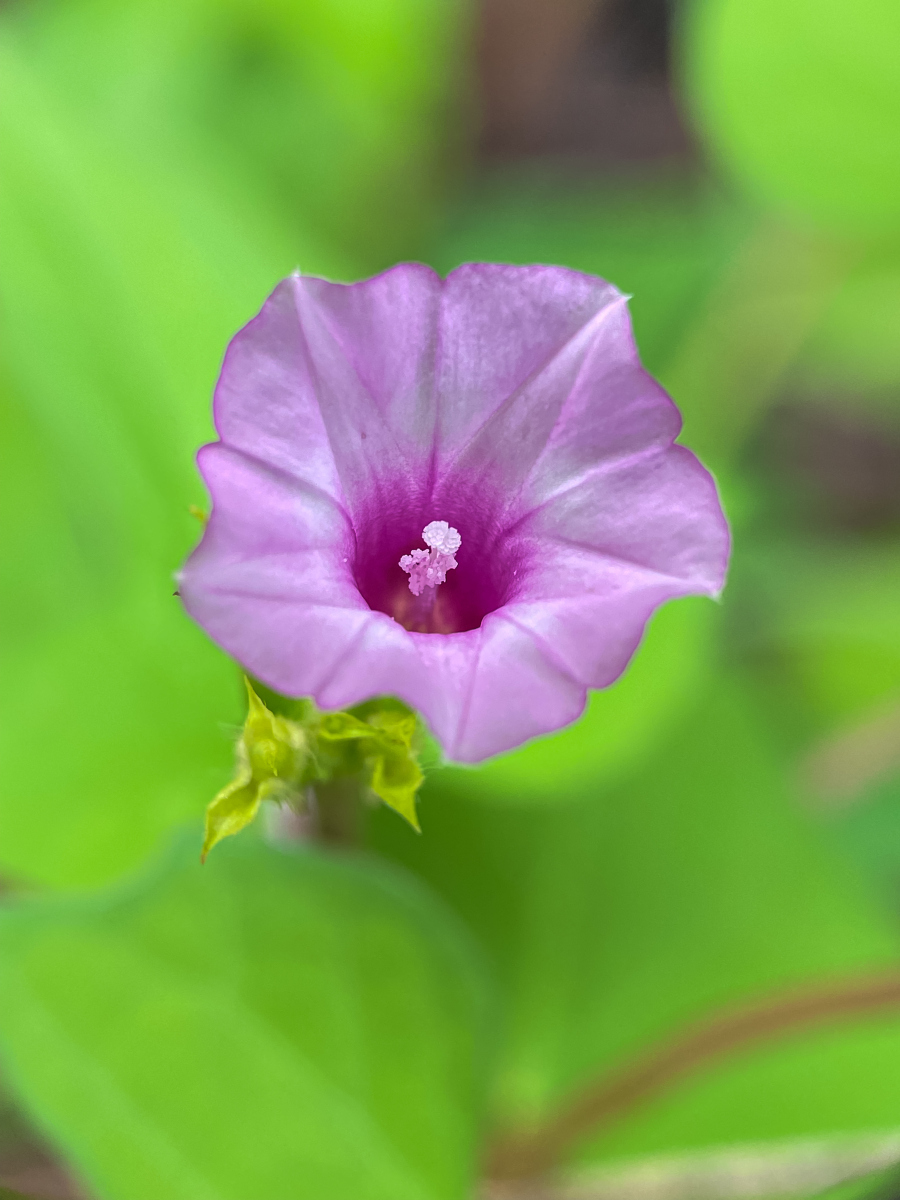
(833,617)
(865,830)
(279,757)
(735,359)
(287,1024)
(664,239)
(854,351)
(342,112)
(272,1024)
(621,914)
(801,99)
(109,260)
(110,738)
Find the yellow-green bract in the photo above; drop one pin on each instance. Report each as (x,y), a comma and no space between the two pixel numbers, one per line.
(279,757)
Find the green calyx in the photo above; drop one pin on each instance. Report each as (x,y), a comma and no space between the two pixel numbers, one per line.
(280,757)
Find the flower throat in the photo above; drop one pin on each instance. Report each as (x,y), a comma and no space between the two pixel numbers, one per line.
(427,570)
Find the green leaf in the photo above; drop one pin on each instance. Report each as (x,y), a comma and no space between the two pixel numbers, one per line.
(619,914)
(112,732)
(801,99)
(274,1024)
(342,115)
(126,267)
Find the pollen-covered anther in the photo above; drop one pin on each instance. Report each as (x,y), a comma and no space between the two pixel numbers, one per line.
(428,568)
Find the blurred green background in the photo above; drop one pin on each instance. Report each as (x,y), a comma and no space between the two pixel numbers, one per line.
(723,824)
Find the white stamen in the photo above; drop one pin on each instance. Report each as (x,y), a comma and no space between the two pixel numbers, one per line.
(428,568)
(441,537)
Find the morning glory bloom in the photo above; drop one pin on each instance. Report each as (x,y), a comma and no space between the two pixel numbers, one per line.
(462,492)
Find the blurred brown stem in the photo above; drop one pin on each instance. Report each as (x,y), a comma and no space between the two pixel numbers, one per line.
(338,812)
(524,46)
(533,1153)
(8,1194)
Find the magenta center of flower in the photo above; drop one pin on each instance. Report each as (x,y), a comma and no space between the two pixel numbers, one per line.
(427,570)
(424,588)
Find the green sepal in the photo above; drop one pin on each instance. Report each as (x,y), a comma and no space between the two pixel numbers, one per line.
(276,747)
(279,756)
(383,734)
(271,756)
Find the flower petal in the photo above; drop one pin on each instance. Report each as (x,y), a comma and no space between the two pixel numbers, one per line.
(265,401)
(499,327)
(512,692)
(370,351)
(611,548)
(659,512)
(614,414)
(481,692)
(271,581)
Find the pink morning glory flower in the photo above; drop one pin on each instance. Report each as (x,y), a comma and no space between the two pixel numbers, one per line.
(463,492)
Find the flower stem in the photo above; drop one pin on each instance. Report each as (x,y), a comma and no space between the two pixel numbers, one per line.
(533,1153)
(338,811)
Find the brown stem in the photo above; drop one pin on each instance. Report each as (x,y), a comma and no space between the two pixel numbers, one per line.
(532,1153)
(338,812)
